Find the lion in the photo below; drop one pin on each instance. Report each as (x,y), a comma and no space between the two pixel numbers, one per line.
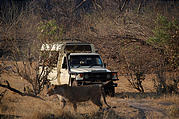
(76,94)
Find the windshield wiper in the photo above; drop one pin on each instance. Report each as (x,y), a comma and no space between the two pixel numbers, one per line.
(78,66)
(92,65)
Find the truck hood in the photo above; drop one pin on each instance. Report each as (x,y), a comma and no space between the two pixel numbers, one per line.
(84,70)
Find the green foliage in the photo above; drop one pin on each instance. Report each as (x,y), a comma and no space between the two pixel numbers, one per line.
(166,37)
(163,31)
(49,31)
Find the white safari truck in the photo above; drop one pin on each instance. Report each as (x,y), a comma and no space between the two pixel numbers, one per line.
(76,64)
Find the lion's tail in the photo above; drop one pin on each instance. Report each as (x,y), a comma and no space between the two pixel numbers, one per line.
(104,96)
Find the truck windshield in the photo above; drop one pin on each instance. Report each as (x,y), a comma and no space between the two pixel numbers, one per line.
(85,60)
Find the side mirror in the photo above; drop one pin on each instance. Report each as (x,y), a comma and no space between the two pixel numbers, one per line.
(105,65)
(64,66)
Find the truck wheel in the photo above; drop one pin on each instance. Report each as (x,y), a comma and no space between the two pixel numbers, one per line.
(111,91)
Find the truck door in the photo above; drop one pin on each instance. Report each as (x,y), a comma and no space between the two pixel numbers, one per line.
(64,75)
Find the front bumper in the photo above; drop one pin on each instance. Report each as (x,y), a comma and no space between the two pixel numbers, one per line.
(96,77)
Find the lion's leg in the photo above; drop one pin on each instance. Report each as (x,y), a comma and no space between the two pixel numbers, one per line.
(97,102)
(75,106)
(63,103)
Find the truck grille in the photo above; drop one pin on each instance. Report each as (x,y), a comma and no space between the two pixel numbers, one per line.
(96,76)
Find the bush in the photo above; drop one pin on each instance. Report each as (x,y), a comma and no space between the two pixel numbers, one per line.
(165,38)
(166,34)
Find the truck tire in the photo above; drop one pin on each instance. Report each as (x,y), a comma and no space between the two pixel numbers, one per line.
(110,90)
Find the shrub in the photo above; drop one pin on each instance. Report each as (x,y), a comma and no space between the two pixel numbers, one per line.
(166,34)
(165,38)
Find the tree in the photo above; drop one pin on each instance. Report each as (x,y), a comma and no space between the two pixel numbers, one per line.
(166,35)
(25,39)
(165,38)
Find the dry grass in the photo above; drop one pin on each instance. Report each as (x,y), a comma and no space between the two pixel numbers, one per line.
(129,104)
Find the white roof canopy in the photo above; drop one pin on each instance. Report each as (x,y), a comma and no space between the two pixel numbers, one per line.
(51,47)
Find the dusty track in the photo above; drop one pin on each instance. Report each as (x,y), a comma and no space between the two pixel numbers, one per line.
(144,109)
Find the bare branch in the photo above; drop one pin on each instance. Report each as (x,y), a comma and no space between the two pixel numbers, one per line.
(10,88)
(2,95)
(7,86)
(83,1)
(96,4)
(124,4)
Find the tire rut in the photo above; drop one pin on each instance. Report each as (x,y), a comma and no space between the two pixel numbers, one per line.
(144,108)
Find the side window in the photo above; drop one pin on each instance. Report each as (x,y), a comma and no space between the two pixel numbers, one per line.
(64,65)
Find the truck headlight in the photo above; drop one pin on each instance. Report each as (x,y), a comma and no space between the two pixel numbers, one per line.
(86,76)
(79,76)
